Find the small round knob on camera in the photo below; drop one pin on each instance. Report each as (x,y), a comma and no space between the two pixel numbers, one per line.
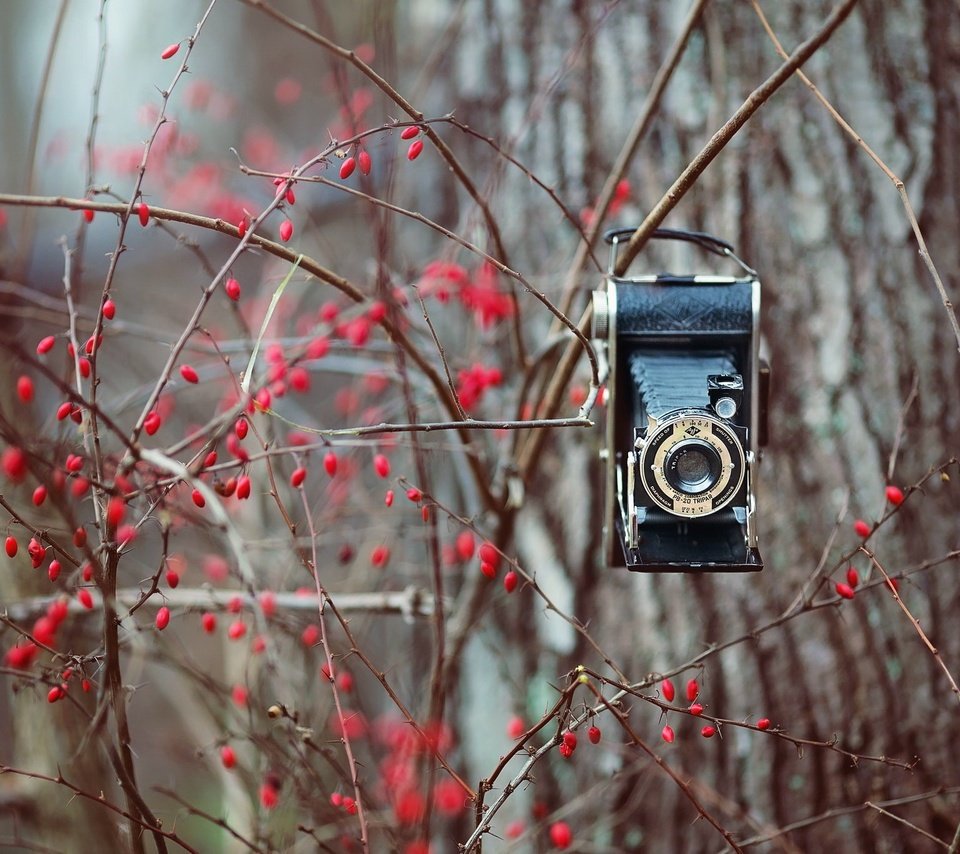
(725,407)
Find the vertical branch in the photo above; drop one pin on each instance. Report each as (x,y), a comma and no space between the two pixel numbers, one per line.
(26,233)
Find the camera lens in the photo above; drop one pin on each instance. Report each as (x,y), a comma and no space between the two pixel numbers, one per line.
(692,467)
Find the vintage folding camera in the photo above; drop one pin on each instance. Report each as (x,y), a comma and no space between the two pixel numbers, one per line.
(686,414)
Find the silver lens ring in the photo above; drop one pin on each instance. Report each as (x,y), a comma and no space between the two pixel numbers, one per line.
(692,464)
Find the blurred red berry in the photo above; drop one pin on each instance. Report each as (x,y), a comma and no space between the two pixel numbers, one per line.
(228,756)
(844,590)
(25,389)
(561,835)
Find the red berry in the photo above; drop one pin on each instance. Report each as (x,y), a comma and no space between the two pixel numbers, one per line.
(241,428)
(570,739)
(388,498)
(46,345)
(465,545)
(363,158)
(237,629)
(696,710)
(189,374)
(109,309)
(151,423)
(83,364)
(708,731)
(173,578)
(116,510)
(268,797)
(510,581)
(89,214)
(668,691)
(381,465)
(347,167)
(893,584)
(379,556)
(330,463)
(228,756)
(286,230)
(170,50)
(299,379)
(84,597)
(414,494)
(12,546)
(489,554)
(310,636)
(515,727)
(209,622)
(291,197)
(25,389)
(594,735)
(409,132)
(37,552)
(163,618)
(242,227)
(488,569)
(243,487)
(143,212)
(667,734)
(198,498)
(415,148)
(861,529)
(844,590)
(566,751)
(232,287)
(561,835)
(55,693)
(895,495)
(298,477)
(763,723)
(64,410)
(39,495)
(693,689)
(853,577)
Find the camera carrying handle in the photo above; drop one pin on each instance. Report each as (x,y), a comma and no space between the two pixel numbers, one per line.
(705,241)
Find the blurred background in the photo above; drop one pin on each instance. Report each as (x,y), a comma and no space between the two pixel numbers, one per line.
(865,367)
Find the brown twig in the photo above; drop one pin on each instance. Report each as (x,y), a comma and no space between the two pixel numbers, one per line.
(901,188)
(718,142)
(913,621)
(60,780)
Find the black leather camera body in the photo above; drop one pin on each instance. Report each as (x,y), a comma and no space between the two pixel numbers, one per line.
(686,415)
